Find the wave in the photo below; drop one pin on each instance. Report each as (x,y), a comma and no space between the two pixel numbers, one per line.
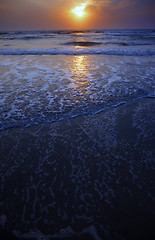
(72,32)
(24,35)
(79,51)
(129,43)
(84,38)
(149,32)
(70,115)
(82,43)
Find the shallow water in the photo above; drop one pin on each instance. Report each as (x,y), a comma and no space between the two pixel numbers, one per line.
(37,89)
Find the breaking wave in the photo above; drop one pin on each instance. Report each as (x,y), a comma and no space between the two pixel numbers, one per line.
(79,51)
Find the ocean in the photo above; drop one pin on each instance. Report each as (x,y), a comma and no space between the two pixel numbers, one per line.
(77,134)
(53,75)
(105,42)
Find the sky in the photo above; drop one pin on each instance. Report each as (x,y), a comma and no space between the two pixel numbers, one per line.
(58,14)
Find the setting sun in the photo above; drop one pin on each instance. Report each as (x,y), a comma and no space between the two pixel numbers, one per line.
(79,11)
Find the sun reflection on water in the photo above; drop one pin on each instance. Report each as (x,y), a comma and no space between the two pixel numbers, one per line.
(80,78)
(79,69)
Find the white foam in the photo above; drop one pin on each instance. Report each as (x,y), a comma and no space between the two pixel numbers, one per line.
(68,87)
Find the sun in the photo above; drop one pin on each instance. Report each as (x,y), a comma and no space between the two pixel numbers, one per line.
(79,11)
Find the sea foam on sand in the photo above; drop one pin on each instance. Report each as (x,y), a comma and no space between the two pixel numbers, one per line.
(88,175)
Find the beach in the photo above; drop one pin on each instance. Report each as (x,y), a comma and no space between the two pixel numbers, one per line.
(88,175)
(77,134)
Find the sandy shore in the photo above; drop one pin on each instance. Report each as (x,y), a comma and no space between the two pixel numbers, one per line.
(91,175)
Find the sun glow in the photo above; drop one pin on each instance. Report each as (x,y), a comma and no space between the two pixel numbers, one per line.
(79,11)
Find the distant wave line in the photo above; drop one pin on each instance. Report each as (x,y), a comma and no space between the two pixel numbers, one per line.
(82,43)
(79,51)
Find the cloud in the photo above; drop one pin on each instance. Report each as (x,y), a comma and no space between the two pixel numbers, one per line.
(113,3)
(126,3)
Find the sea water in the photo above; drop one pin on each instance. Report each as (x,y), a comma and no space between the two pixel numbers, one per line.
(111,42)
(53,75)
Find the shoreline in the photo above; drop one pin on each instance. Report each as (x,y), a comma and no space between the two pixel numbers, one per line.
(93,170)
(82,115)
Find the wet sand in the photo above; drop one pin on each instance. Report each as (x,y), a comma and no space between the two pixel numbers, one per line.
(89,177)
